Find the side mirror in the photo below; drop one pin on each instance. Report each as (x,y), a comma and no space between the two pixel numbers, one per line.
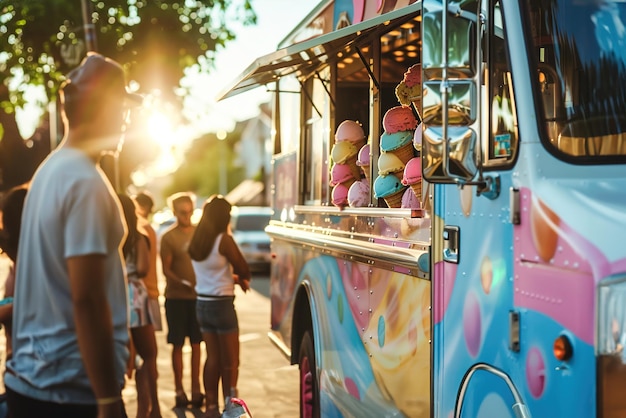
(450,98)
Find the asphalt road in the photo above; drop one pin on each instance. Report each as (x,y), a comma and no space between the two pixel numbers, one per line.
(267,382)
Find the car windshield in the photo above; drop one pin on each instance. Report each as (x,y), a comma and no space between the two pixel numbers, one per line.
(251,222)
(580,49)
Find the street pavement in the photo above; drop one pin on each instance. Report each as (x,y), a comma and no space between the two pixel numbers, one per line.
(267,382)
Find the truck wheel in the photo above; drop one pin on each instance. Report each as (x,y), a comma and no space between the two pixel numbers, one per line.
(309,389)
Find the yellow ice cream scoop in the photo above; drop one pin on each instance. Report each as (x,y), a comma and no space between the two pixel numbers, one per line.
(389,163)
(343,151)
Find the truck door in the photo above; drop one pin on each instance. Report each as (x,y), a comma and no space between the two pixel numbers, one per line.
(468,99)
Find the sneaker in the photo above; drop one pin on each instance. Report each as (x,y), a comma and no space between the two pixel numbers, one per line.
(235,408)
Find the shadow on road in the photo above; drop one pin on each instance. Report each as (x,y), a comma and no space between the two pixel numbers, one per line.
(185,413)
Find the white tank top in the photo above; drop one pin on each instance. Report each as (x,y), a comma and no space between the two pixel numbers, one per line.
(214,274)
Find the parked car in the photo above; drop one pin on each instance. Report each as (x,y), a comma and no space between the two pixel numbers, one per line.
(248,225)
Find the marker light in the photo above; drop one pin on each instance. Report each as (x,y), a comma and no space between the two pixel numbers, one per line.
(562,348)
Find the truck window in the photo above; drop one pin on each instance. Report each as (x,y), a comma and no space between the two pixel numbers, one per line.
(503,138)
(584,114)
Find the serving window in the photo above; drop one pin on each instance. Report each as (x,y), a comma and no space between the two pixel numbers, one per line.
(364,97)
(316,138)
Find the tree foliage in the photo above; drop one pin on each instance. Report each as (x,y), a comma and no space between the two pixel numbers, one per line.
(155,39)
(200,172)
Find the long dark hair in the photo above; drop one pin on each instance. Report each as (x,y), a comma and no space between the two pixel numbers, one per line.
(214,221)
(130,215)
(12,206)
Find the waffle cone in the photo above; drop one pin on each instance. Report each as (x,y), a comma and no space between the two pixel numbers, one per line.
(359,144)
(417,105)
(355,169)
(349,183)
(395,200)
(398,174)
(417,190)
(366,171)
(405,152)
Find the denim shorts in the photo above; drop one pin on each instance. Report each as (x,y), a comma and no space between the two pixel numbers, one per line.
(181,321)
(217,316)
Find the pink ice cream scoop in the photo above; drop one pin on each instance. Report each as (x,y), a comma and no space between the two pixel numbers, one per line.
(413,76)
(410,88)
(340,195)
(350,131)
(398,119)
(412,171)
(359,194)
(363,160)
(340,173)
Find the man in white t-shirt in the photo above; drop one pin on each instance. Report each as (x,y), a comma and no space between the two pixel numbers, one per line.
(70,319)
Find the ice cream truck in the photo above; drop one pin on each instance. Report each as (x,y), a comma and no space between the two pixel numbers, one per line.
(481,271)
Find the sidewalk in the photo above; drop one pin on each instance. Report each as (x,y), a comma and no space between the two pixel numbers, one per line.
(267,382)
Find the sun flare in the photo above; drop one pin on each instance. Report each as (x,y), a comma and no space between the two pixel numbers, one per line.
(161,130)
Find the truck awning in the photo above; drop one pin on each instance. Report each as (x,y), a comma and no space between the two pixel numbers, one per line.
(304,57)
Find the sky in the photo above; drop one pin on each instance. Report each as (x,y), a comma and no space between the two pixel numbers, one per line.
(275,20)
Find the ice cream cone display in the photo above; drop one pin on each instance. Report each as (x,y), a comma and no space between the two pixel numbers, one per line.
(390,189)
(410,88)
(348,182)
(413,176)
(394,200)
(405,152)
(367,173)
(363,160)
(351,131)
(398,119)
(340,195)
(417,190)
(409,200)
(417,138)
(359,194)
(354,168)
(398,143)
(390,164)
(344,151)
(342,173)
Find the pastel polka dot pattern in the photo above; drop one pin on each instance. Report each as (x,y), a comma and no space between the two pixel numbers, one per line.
(486,274)
(381,331)
(352,388)
(472,325)
(535,372)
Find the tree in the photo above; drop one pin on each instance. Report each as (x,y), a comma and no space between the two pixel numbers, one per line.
(200,170)
(155,40)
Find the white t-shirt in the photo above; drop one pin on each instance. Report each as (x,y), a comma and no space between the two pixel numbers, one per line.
(70,210)
(214,274)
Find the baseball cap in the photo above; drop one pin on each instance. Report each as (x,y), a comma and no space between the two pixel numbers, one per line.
(98,75)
